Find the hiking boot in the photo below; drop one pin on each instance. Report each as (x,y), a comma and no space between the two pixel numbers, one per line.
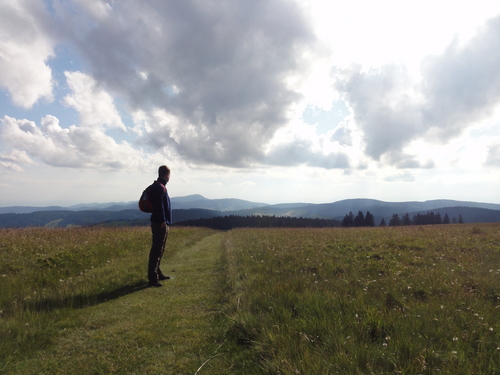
(164,277)
(155,284)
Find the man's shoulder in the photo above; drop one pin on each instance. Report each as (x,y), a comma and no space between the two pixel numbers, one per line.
(157,187)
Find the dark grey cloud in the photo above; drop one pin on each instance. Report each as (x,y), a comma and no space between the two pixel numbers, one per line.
(343,136)
(382,107)
(493,158)
(219,66)
(302,150)
(458,88)
(406,161)
(463,84)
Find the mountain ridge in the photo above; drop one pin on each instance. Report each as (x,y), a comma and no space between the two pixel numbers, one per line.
(234,204)
(196,206)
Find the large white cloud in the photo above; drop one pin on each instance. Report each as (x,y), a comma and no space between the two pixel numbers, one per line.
(457,89)
(224,73)
(25,47)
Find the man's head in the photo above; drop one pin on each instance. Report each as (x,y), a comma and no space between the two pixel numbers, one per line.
(164,172)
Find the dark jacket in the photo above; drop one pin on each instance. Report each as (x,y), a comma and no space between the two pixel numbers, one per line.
(162,211)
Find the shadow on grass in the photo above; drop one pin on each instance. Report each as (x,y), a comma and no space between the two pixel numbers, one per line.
(82,300)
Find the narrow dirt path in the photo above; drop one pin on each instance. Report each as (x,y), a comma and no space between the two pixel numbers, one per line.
(167,330)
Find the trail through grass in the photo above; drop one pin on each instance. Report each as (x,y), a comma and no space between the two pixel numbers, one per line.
(163,330)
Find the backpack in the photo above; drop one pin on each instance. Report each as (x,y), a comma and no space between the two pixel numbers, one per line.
(145,204)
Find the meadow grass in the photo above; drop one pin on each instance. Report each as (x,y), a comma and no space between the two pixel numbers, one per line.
(409,300)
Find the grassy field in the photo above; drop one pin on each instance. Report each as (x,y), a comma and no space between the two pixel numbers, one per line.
(408,300)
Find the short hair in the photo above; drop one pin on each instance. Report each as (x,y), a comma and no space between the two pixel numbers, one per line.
(163,171)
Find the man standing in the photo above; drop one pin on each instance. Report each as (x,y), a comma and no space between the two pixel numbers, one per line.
(161,218)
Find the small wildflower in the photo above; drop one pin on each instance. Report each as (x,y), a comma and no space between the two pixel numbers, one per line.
(491,329)
(455,338)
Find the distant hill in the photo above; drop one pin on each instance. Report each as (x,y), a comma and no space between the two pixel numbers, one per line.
(66,218)
(223,205)
(185,203)
(196,207)
(29,209)
(63,218)
(379,209)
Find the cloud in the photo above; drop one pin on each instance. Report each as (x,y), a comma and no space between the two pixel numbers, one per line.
(463,85)
(94,105)
(72,147)
(245,184)
(403,160)
(222,72)
(403,177)
(493,158)
(383,105)
(14,160)
(214,82)
(457,89)
(302,150)
(342,135)
(25,48)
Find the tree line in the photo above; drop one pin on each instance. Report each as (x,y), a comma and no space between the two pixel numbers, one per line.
(236,221)
(429,218)
(360,220)
(368,220)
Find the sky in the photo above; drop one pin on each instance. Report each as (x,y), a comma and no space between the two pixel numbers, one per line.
(273,101)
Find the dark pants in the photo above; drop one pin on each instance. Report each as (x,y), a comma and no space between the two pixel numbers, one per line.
(160,234)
